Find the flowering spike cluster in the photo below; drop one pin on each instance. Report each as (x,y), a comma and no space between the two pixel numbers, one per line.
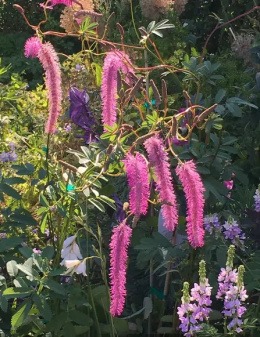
(32,47)
(212,224)
(257,199)
(193,189)
(159,160)
(195,309)
(232,291)
(138,180)
(50,62)
(119,243)
(233,232)
(64,2)
(115,60)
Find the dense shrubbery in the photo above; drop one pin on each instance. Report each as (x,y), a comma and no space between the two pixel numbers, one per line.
(141,132)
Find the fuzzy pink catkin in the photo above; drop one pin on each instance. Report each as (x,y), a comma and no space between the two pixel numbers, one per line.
(193,189)
(32,47)
(115,60)
(119,244)
(64,2)
(158,158)
(138,181)
(50,62)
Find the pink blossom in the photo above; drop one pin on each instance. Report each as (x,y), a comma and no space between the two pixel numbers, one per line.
(159,160)
(50,62)
(32,47)
(115,60)
(119,243)
(193,189)
(138,180)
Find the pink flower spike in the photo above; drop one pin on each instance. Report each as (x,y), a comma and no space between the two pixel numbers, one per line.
(119,244)
(159,160)
(138,181)
(115,60)
(32,47)
(193,189)
(50,62)
(63,2)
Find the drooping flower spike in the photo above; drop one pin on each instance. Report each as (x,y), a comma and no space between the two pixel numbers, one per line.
(193,189)
(115,60)
(32,47)
(119,244)
(50,62)
(138,180)
(64,2)
(159,160)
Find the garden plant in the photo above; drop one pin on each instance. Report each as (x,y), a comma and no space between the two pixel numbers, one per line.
(129,168)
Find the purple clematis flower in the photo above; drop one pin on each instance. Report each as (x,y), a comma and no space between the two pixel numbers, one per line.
(120,213)
(80,112)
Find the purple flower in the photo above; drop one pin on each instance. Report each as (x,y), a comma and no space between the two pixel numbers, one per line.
(12,146)
(37,251)
(3,235)
(67,127)
(257,199)
(212,224)
(90,136)
(233,232)
(120,213)
(80,112)
(8,156)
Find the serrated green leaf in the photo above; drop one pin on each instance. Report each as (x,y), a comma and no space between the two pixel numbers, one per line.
(22,313)
(17,292)
(42,306)
(55,286)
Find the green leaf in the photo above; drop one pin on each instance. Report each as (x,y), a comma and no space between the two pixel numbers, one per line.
(17,292)
(108,201)
(234,109)
(25,170)
(48,252)
(22,313)
(3,303)
(80,318)
(10,243)
(26,252)
(42,306)
(165,330)
(97,204)
(43,201)
(54,286)
(220,95)
(79,330)
(25,219)
(14,180)
(44,222)
(68,330)
(11,267)
(11,192)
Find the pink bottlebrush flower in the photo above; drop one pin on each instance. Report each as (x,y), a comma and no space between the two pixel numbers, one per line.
(115,60)
(64,2)
(193,189)
(32,47)
(138,180)
(158,158)
(119,244)
(50,62)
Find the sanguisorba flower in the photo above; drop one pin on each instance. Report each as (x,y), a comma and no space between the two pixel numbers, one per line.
(50,62)
(114,61)
(63,2)
(193,189)
(159,160)
(119,244)
(32,47)
(138,180)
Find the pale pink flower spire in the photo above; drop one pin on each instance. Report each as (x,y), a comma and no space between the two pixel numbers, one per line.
(138,181)
(119,244)
(32,47)
(193,189)
(50,62)
(114,61)
(159,160)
